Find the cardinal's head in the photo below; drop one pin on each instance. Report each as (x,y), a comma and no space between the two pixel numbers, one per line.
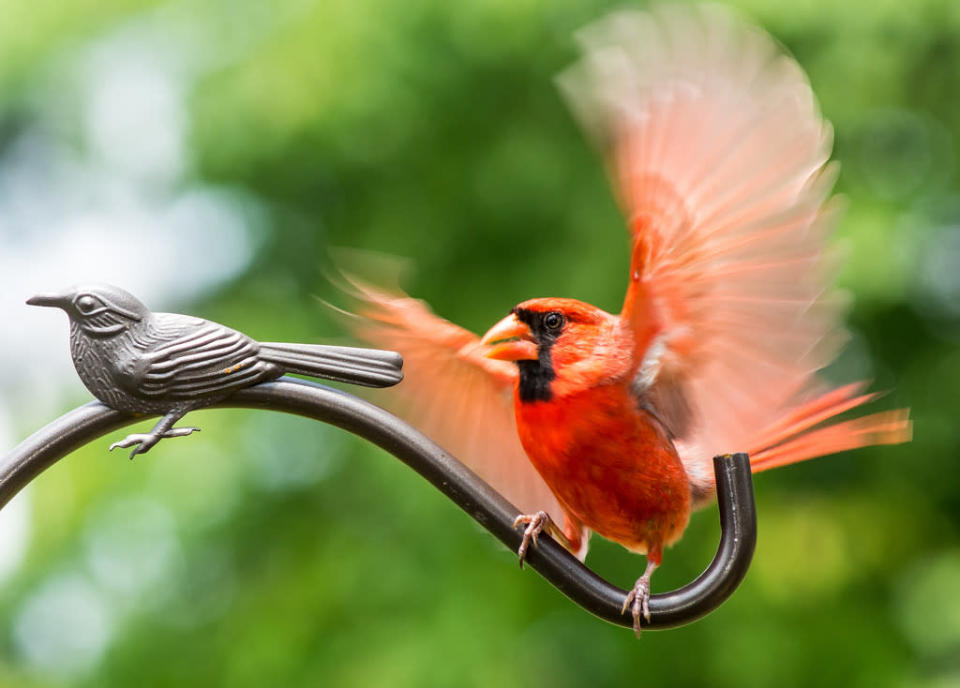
(561,346)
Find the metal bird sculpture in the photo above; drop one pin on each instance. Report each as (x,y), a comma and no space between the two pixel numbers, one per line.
(134,360)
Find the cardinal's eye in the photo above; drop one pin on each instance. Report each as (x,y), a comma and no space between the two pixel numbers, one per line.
(553,320)
(86,304)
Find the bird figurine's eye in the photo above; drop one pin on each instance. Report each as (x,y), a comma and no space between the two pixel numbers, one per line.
(553,320)
(86,304)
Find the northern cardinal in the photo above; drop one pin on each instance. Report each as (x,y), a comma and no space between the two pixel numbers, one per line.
(608,423)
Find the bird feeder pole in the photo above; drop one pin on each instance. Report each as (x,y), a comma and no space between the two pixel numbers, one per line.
(667,610)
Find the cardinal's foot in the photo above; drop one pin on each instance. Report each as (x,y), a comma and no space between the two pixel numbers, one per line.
(143,442)
(535,524)
(638,599)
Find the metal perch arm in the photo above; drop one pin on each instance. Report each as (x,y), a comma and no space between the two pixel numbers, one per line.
(667,610)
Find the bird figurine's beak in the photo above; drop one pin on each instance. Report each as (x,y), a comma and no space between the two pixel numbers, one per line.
(511,340)
(49,300)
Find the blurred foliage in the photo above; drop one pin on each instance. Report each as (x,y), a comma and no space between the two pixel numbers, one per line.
(271,551)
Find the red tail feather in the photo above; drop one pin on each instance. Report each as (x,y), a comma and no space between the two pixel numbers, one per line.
(797,437)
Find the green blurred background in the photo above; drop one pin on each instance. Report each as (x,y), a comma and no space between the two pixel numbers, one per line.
(272,551)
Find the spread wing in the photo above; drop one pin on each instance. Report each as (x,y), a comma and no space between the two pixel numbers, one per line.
(453,394)
(718,153)
(182,358)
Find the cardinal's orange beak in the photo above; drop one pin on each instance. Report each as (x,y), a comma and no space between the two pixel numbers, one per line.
(511,340)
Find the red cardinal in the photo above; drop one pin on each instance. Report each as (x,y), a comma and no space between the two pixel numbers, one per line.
(606,422)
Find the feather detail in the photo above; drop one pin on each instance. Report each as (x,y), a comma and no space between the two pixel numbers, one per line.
(886,427)
(459,398)
(718,154)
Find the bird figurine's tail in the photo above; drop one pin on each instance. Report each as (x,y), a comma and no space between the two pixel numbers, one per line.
(368,367)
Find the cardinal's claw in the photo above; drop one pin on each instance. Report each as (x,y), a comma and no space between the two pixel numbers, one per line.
(535,524)
(638,601)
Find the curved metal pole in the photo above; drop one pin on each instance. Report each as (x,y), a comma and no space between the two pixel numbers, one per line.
(734,493)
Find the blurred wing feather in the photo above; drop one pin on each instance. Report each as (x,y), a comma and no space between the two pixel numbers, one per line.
(454,394)
(718,153)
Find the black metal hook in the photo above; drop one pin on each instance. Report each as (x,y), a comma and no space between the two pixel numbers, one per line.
(734,493)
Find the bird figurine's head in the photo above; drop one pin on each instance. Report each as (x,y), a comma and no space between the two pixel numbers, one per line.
(557,343)
(99,310)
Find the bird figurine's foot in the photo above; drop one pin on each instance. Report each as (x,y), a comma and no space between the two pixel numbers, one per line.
(143,442)
(638,599)
(536,524)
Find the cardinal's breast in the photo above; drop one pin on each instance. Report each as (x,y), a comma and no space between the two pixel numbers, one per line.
(611,464)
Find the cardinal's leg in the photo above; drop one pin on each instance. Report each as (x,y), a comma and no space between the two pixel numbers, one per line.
(164,428)
(573,536)
(638,599)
